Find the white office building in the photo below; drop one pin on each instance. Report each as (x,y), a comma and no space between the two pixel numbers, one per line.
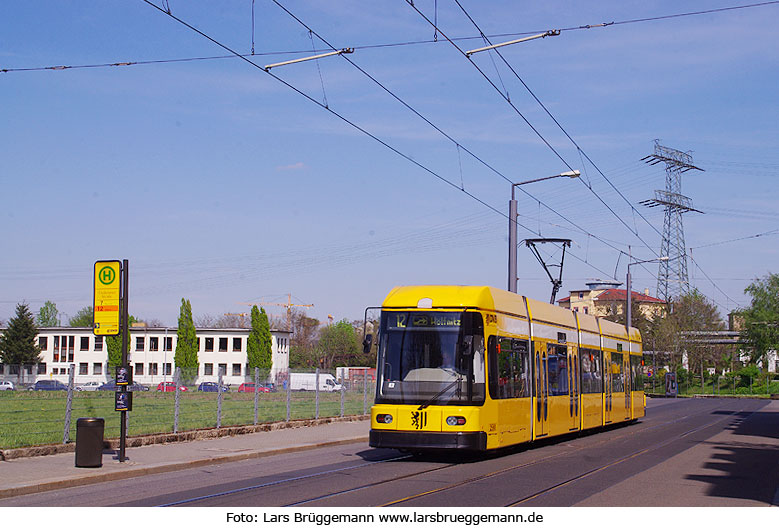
(151,356)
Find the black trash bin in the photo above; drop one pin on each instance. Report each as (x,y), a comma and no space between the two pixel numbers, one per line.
(89,441)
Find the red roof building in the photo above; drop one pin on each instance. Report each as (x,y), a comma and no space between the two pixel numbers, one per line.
(603,298)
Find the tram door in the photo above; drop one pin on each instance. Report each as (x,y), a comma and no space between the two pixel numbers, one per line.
(573,386)
(541,389)
(607,389)
(628,385)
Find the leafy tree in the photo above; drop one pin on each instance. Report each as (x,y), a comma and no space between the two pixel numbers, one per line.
(259,348)
(689,312)
(761,319)
(83,318)
(18,345)
(186,347)
(338,343)
(47,315)
(303,351)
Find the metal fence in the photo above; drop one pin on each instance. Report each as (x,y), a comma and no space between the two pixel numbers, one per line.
(46,417)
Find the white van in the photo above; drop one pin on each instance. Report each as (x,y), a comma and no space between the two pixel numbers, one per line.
(307,381)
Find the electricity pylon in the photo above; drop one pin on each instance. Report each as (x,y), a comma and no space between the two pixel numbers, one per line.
(672,278)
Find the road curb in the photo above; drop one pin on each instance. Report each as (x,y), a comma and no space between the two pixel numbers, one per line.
(179,437)
(164,468)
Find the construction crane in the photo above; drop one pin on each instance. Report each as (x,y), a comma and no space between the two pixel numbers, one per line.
(241,314)
(289,304)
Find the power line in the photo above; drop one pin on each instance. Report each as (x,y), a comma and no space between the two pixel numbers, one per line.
(768,233)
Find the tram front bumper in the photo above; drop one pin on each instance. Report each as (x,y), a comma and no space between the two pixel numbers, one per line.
(395,439)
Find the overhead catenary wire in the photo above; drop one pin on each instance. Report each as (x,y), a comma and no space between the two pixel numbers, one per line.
(391,45)
(353,124)
(524,118)
(579,149)
(439,130)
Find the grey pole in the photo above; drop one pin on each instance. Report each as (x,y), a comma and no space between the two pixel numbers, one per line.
(219,400)
(256,394)
(628,303)
(512,285)
(316,394)
(69,405)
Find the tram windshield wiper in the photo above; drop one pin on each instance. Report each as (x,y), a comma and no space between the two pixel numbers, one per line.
(440,393)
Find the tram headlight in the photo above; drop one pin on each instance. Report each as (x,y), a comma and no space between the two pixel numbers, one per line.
(384,418)
(453,421)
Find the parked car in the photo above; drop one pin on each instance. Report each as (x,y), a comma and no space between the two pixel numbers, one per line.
(212,387)
(134,387)
(89,386)
(49,385)
(249,387)
(170,387)
(6,385)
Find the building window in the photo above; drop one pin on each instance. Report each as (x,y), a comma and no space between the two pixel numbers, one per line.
(153,368)
(55,371)
(97,368)
(169,343)
(222,345)
(167,368)
(43,342)
(139,368)
(42,368)
(586,310)
(198,344)
(98,343)
(223,369)
(56,349)
(71,347)
(209,345)
(236,370)
(83,368)
(236,344)
(139,343)
(208,369)
(581,295)
(154,343)
(85,343)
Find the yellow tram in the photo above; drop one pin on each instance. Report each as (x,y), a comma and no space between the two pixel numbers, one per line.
(478,368)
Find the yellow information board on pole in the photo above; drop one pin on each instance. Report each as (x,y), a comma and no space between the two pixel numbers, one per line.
(107,297)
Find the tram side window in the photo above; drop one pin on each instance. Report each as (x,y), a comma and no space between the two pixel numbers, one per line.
(615,373)
(509,368)
(637,382)
(557,362)
(592,374)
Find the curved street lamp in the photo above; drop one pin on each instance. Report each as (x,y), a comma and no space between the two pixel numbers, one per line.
(513,225)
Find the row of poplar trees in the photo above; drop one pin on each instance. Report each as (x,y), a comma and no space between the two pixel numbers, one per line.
(18,345)
(258,348)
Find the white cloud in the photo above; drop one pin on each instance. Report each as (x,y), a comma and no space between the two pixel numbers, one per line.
(291,167)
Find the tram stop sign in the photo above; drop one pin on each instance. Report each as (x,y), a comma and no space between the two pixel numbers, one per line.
(106,297)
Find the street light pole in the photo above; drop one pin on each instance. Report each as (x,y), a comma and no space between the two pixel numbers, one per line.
(512,284)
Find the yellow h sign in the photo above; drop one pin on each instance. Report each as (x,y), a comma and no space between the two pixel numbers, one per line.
(107,297)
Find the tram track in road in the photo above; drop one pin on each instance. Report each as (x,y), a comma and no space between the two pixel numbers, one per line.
(374,483)
(569,452)
(613,463)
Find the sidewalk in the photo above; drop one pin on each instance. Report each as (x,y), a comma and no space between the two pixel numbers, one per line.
(43,473)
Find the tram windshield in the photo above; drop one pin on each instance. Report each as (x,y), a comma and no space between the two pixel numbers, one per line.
(428,357)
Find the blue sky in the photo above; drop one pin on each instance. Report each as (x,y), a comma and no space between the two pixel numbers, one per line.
(223,185)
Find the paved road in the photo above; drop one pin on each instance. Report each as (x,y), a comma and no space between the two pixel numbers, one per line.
(686,452)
